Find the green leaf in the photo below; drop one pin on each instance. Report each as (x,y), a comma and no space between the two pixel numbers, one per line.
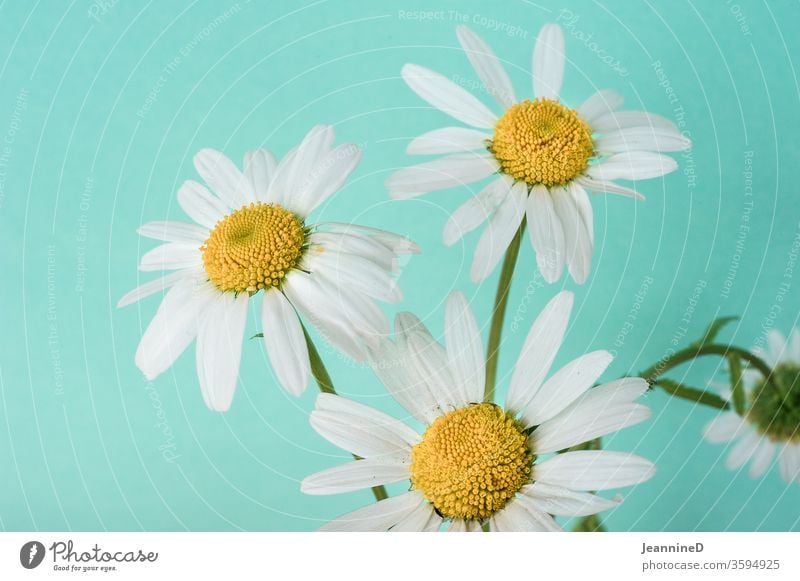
(691,393)
(737,386)
(258,336)
(713,330)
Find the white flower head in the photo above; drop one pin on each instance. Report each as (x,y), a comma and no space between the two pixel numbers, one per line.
(476,462)
(770,425)
(250,237)
(546,156)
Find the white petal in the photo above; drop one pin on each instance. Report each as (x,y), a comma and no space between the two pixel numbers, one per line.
(201,205)
(794,347)
(305,293)
(593,470)
(439,174)
(378,516)
(314,147)
(219,349)
(173,327)
(355,475)
(608,187)
(394,434)
(723,428)
(222,176)
(285,342)
(567,385)
(464,526)
(642,139)
(762,458)
(546,234)
(353,244)
(776,347)
(519,517)
(327,177)
(578,243)
(632,165)
(743,450)
(362,438)
(476,210)
(352,271)
(279,191)
(170,231)
(352,309)
(498,234)
(624,390)
(600,411)
(789,463)
(615,121)
(584,206)
(448,97)
(540,521)
(465,354)
(548,62)
(599,104)
(259,167)
(394,242)
(489,70)
(392,366)
(448,140)
(428,368)
(558,500)
(152,287)
(171,256)
(540,348)
(421,519)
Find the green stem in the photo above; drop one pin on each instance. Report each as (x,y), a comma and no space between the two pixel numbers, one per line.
(499,311)
(653,374)
(660,368)
(676,389)
(323,379)
(737,386)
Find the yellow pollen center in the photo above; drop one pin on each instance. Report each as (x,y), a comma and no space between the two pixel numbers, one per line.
(253,248)
(542,142)
(471,462)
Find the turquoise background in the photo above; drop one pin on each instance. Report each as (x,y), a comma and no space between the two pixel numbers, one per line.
(86,156)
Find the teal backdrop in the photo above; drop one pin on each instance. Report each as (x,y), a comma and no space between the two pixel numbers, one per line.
(102,106)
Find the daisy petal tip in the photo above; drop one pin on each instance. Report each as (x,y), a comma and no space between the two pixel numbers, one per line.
(307,487)
(565,299)
(552,29)
(410,70)
(297,388)
(219,407)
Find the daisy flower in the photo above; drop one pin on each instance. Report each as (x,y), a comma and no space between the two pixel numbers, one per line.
(250,237)
(542,155)
(477,462)
(770,425)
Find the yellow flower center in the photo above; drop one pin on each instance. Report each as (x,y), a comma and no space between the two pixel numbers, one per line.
(253,248)
(542,142)
(471,462)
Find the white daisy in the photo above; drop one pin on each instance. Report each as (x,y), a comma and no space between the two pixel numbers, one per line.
(251,235)
(546,156)
(476,462)
(771,422)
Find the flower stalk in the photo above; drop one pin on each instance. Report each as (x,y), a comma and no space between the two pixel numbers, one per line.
(325,383)
(499,311)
